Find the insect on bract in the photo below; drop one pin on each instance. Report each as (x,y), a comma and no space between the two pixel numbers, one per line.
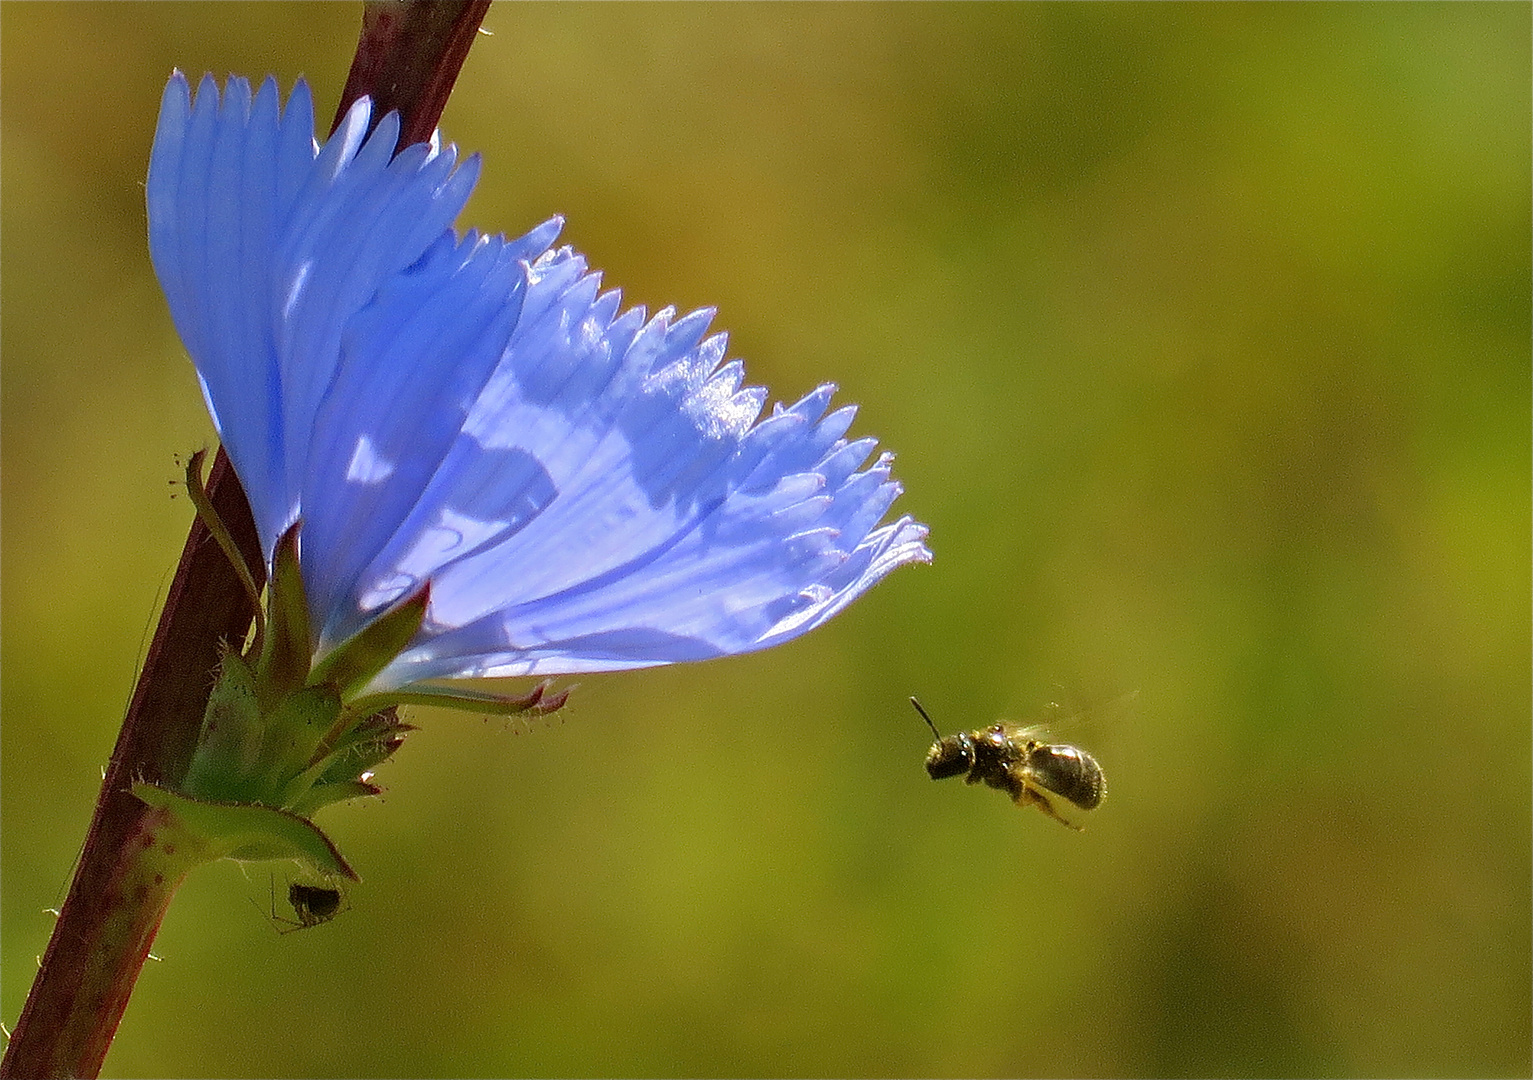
(1016,760)
(312,904)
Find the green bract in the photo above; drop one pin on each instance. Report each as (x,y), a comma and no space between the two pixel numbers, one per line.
(284,735)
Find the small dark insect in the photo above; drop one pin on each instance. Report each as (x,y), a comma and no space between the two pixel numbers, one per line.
(1015,760)
(313,904)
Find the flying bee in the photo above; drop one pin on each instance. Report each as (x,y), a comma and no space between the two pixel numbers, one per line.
(1016,760)
(312,904)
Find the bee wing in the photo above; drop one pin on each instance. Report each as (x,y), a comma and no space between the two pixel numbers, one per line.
(1021,733)
(1061,723)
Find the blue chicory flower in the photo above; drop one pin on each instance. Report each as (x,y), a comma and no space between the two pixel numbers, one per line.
(583,488)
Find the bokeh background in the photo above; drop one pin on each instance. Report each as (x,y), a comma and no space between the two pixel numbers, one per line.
(1202,333)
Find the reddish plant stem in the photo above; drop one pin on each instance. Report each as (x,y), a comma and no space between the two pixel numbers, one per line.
(69,1019)
(155,858)
(408,58)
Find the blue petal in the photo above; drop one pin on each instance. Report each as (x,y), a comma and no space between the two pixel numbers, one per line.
(413,362)
(584,488)
(651,522)
(266,248)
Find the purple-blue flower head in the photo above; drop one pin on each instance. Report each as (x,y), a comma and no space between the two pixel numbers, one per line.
(583,488)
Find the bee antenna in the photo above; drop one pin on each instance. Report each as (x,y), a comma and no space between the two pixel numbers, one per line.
(928,719)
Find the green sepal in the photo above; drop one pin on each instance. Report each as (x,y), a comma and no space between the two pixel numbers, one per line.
(322,795)
(245,755)
(289,646)
(457,697)
(358,745)
(229,745)
(371,742)
(294,731)
(250,833)
(352,664)
(220,532)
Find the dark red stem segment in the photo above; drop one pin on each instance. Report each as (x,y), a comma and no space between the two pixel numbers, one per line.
(408,58)
(155,857)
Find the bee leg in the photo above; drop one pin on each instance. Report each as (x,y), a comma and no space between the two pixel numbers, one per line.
(1027,795)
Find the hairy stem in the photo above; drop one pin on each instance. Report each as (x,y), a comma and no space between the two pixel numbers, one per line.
(156,857)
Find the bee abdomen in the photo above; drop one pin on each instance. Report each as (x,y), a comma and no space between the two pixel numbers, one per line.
(1068,771)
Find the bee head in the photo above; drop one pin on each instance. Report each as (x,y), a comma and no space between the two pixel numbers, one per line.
(950,756)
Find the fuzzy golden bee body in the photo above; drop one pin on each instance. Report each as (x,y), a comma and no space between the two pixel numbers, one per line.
(1018,761)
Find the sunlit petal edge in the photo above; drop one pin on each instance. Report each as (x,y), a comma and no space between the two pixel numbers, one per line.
(584,488)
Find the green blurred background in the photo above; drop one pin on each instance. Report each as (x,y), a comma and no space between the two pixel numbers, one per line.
(1203,336)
